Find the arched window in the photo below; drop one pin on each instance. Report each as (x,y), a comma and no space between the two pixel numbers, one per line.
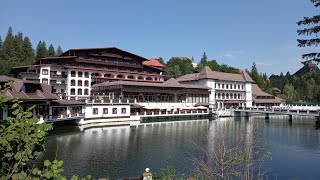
(86,83)
(109,75)
(222,86)
(231,96)
(86,92)
(219,95)
(222,95)
(96,74)
(227,96)
(120,76)
(73,82)
(72,91)
(227,86)
(149,78)
(235,96)
(155,78)
(140,77)
(79,83)
(239,97)
(79,91)
(130,77)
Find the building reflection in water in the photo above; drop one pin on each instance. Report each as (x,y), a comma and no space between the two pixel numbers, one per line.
(126,151)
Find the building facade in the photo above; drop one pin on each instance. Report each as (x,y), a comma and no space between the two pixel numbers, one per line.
(74,72)
(226,89)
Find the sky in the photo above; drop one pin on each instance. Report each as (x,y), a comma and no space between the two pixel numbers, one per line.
(236,33)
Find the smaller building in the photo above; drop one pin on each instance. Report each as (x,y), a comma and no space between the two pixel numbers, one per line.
(261,98)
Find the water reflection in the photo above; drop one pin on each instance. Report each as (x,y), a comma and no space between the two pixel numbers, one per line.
(126,151)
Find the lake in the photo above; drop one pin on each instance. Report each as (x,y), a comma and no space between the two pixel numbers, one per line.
(121,152)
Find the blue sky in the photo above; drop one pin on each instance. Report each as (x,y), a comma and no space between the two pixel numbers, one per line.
(236,33)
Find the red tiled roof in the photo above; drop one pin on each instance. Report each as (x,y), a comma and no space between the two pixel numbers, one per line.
(153,62)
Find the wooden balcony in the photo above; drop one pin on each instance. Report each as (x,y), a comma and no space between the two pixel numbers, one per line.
(58,76)
(29,74)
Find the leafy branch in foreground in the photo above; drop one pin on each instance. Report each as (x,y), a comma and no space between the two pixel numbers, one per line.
(20,140)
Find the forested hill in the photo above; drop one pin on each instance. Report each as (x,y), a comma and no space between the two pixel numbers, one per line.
(17,50)
(304,87)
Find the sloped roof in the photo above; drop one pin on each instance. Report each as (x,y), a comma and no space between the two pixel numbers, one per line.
(170,83)
(16,90)
(100,49)
(256,91)
(153,62)
(207,73)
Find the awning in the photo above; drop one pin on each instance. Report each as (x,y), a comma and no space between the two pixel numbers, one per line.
(136,106)
(67,102)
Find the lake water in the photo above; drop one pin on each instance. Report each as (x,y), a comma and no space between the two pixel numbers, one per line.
(126,151)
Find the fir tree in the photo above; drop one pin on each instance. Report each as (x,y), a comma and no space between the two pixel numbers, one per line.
(0,43)
(59,51)
(51,51)
(41,51)
(313,28)
(18,42)
(8,55)
(28,52)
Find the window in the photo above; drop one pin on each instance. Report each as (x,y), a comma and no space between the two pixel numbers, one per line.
(79,74)
(73,82)
(73,91)
(227,87)
(123,110)
(62,90)
(222,86)
(242,86)
(222,95)
(86,92)
(105,110)
(79,91)
(73,74)
(234,87)
(45,81)
(45,71)
(95,111)
(219,86)
(238,86)
(63,82)
(54,90)
(235,96)
(86,83)
(86,75)
(114,110)
(239,96)
(79,83)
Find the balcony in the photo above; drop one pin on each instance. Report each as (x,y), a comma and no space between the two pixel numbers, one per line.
(29,74)
(58,76)
(58,84)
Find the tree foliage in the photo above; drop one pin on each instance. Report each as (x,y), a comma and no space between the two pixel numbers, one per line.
(41,50)
(306,87)
(51,51)
(17,50)
(177,67)
(260,78)
(312,28)
(59,51)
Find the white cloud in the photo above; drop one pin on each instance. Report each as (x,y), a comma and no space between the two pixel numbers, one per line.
(233,54)
(228,56)
(263,64)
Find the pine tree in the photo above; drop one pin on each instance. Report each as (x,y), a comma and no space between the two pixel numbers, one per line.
(0,43)
(313,28)
(59,51)
(204,60)
(8,55)
(18,41)
(41,51)
(254,70)
(51,51)
(27,51)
